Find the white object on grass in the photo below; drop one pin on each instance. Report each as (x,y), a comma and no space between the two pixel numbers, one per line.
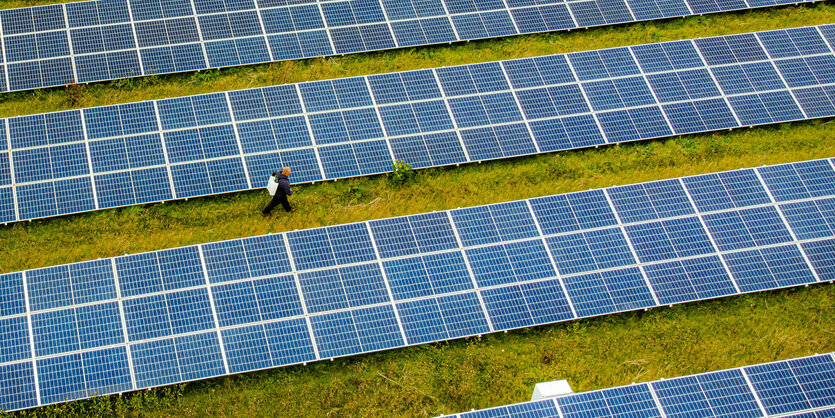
(546,390)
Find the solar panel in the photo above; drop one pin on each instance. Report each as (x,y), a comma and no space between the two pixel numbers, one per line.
(99,40)
(175,315)
(96,158)
(798,387)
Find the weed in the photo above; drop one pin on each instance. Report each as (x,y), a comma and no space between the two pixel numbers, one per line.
(401,172)
(206,77)
(357,191)
(74,94)
(124,83)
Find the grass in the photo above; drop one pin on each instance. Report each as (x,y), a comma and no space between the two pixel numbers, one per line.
(16,4)
(463,374)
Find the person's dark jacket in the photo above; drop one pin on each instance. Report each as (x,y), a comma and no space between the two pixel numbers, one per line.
(283,184)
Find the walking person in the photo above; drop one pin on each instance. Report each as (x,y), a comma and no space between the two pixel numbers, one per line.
(281,192)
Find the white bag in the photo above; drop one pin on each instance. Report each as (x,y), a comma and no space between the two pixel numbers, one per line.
(272,186)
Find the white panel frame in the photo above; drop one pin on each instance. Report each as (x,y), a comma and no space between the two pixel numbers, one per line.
(718,253)
(214,309)
(386,282)
(118,288)
(301,298)
(165,151)
(786,224)
(32,352)
(466,258)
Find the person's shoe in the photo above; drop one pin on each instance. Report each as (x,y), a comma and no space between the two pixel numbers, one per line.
(263,214)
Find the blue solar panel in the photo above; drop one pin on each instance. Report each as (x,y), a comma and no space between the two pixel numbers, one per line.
(609,291)
(15,345)
(413,234)
(490,224)
(732,189)
(747,228)
(810,219)
(527,305)
(713,394)
(19,378)
(510,263)
(678,238)
(588,251)
(799,387)
(573,212)
(794,385)
(428,275)
(650,201)
(217,308)
(820,255)
(544,408)
(153,151)
(691,279)
(769,268)
(633,401)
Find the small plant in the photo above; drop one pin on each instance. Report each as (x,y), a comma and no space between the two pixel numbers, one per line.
(401,172)
(74,94)
(688,143)
(357,191)
(204,77)
(124,83)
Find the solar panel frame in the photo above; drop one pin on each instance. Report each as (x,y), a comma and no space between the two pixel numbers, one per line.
(187,37)
(175,302)
(729,392)
(230,137)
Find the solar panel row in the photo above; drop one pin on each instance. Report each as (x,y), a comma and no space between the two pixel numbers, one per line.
(83,160)
(110,39)
(799,387)
(152,319)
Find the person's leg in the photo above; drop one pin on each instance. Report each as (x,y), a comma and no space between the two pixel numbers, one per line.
(273,203)
(285,203)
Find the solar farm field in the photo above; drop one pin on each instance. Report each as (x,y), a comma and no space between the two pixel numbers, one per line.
(464,374)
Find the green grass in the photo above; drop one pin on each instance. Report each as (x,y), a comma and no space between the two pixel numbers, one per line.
(463,374)
(15,4)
